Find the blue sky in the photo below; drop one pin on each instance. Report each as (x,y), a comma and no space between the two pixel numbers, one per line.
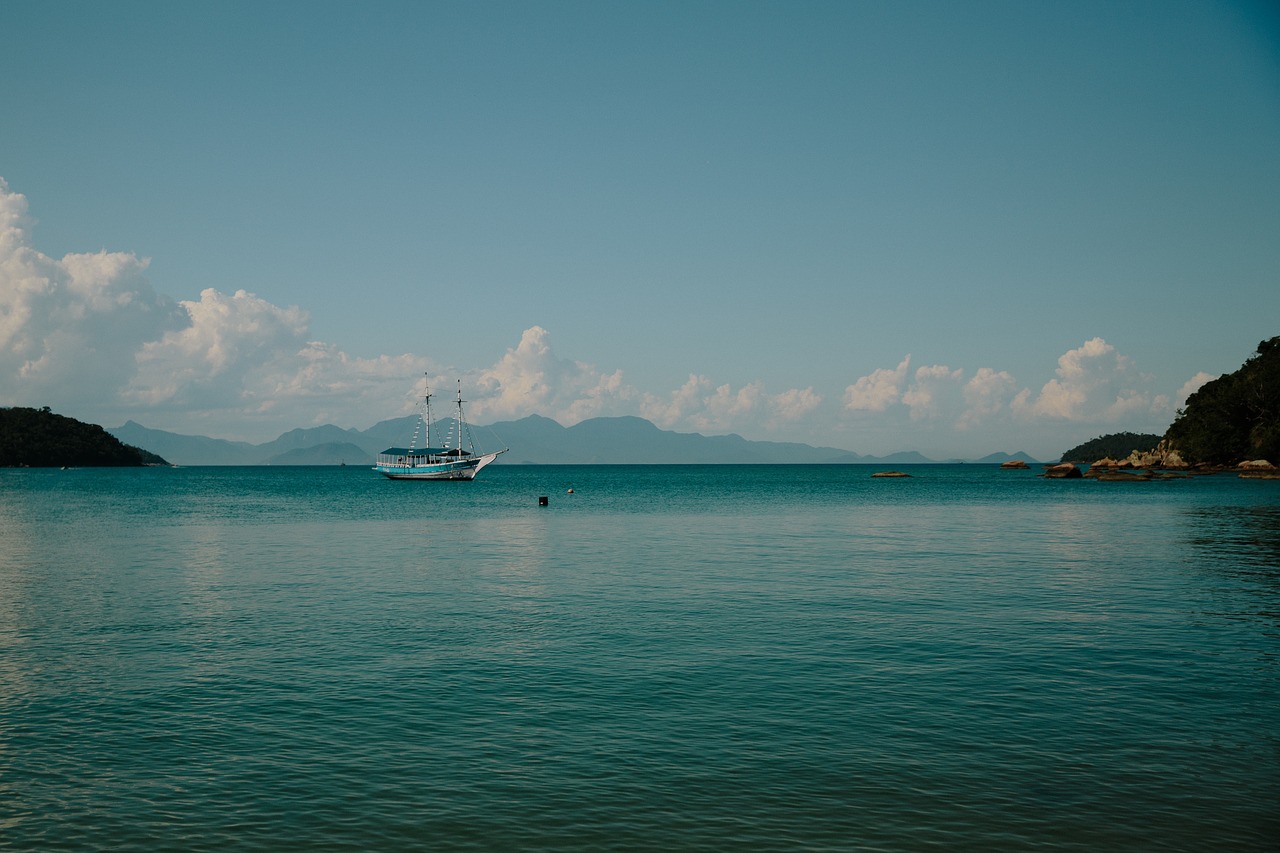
(950,227)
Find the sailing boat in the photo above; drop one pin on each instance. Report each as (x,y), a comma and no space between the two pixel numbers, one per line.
(449,462)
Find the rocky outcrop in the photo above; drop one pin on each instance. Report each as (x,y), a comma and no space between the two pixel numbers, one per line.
(1065,471)
(1258,469)
(1139,465)
(1014,463)
(1163,455)
(890,474)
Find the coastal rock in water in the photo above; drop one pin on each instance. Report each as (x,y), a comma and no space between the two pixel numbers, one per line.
(1065,471)
(890,474)
(1123,476)
(1105,462)
(1014,463)
(1258,469)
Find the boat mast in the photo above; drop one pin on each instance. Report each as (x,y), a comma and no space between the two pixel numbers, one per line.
(459,418)
(426,407)
(424,417)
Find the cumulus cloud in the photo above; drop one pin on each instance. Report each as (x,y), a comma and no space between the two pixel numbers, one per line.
(931,393)
(701,405)
(230,344)
(1094,383)
(678,405)
(878,390)
(724,407)
(250,358)
(792,406)
(530,378)
(986,395)
(69,328)
(934,392)
(88,333)
(89,330)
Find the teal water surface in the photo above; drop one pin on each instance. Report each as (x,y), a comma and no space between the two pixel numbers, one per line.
(667,658)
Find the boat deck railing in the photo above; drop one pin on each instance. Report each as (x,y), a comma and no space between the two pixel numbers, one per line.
(410,460)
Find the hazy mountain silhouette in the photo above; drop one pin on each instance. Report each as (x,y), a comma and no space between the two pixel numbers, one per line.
(533,440)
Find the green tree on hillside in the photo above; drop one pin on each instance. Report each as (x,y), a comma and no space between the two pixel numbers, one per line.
(38,438)
(1235,417)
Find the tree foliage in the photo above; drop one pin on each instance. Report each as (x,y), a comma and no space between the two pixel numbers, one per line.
(1235,417)
(38,438)
(1116,446)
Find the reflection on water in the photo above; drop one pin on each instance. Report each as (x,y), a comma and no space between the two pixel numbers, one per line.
(19,592)
(1247,537)
(1239,545)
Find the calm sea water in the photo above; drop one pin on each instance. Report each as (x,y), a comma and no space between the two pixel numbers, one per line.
(669,658)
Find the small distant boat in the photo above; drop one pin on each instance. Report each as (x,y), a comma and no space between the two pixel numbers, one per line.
(456,459)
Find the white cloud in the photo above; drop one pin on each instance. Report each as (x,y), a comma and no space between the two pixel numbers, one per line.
(232,343)
(244,366)
(724,408)
(701,406)
(935,392)
(792,406)
(678,406)
(878,390)
(531,379)
(69,328)
(1094,383)
(88,333)
(986,396)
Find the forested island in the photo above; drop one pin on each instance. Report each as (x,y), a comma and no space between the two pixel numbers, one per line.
(1231,420)
(38,438)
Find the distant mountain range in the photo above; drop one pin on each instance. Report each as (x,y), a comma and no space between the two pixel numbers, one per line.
(533,440)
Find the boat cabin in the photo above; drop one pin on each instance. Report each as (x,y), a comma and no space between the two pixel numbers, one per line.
(405,456)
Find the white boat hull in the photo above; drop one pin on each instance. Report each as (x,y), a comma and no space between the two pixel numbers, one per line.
(454,469)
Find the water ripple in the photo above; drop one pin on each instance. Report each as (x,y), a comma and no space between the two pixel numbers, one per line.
(754,660)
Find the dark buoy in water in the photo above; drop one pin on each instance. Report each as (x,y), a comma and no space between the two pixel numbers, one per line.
(542,501)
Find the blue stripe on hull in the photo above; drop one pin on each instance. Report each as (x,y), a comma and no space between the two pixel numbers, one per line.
(390,465)
(449,471)
(397,466)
